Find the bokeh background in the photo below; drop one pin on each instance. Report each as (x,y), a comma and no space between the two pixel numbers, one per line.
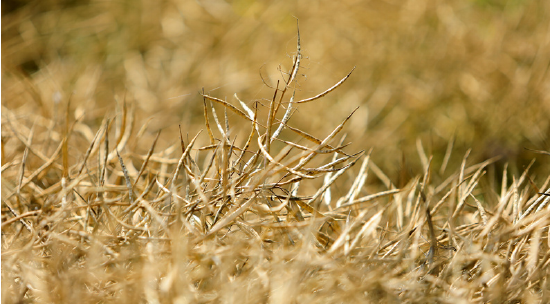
(474,73)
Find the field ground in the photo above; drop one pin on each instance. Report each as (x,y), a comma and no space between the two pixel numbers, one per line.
(276,152)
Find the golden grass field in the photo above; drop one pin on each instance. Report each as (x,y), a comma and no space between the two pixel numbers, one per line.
(276,151)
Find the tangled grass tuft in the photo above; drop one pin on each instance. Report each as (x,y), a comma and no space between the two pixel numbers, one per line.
(283,217)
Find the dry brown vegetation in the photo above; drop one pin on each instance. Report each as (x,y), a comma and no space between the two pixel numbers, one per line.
(211,151)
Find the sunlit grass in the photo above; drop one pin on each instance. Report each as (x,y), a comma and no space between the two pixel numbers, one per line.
(161,152)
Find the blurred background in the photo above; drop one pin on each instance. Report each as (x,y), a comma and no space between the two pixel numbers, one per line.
(473,73)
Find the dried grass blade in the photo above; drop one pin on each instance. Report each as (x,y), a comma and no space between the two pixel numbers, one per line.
(227,105)
(525,173)
(127,129)
(539,151)
(207,123)
(126,178)
(496,217)
(303,134)
(214,147)
(65,149)
(147,157)
(545,202)
(371,197)
(473,183)
(147,190)
(121,123)
(291,79)
(481,210)
(220,128)
(103,170)
(182,143)
(462,172)
(24,159)
(422,154)
(533,256)
(232,214)
(307,207)
(166,190)
(468,170)
(327,184)
(16,215)
(368,228)
(273,161)
(24,141)
(337,129)
(504,183)
(541,202)
(286,117)
(245,107)
(298,59)
(289,143)
(442,200)
(357,183)
(246,145)
(327,91)
(20,217)
(226,122)
(225,155)
(47,164)
(345,233)
(270,118)
(89,151)
(182,158)
(327,195)
(208,167)
(529,224)
(325,141)
(325,169)
(433,252)
(154,214)
(381,175)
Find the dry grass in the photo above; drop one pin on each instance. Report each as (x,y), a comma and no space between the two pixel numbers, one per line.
(395,172)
